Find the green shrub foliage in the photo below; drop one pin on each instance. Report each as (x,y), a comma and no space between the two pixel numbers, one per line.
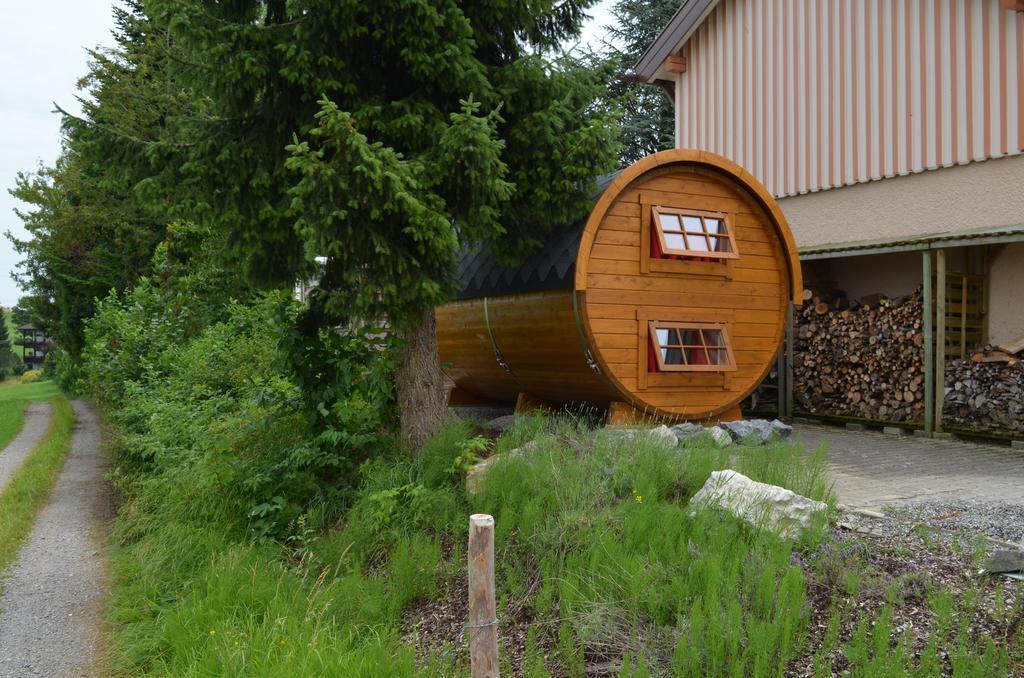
(194,381)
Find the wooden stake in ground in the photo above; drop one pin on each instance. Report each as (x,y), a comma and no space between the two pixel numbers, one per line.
(483,620)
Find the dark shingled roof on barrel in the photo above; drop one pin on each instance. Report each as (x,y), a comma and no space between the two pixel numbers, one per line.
(552,267)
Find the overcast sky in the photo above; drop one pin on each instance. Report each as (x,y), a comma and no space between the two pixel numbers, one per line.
(42,56)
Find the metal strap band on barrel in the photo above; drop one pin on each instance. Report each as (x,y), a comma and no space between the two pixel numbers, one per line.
(591,361)
(502,363)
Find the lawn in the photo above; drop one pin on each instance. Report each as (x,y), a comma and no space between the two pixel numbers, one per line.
(14,398)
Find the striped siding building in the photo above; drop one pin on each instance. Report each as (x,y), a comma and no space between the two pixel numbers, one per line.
(886,129)
(814,94)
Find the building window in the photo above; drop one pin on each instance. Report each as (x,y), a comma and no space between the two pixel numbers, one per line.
(692,234)
(689,347)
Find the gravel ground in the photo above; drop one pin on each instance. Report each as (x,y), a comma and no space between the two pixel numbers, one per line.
(481,415)
(50,611)
(997,519)
(37,420)
(899,560)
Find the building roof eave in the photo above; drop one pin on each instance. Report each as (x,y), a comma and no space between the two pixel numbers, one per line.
(931,241)
(684,22)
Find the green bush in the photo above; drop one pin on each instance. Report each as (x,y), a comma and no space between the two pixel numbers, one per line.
(30,376)
(230,475)
(50,364)
(66,370)
(199,385)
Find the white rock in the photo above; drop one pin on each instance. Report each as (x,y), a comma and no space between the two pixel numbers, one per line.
(663,434)
(475,475)
(759,504)
(720,436)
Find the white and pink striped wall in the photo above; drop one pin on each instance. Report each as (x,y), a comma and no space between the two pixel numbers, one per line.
(814,94)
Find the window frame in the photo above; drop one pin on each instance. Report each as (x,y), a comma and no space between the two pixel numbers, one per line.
(654,325)
(730,235)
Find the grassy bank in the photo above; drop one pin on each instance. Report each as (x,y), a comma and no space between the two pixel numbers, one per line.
(601,567)
(28,490)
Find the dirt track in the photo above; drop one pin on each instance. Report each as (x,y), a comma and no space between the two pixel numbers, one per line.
(37,421)
(51,608)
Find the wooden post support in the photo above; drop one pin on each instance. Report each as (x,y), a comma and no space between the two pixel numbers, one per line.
(984,271)
(526,403)
(483,620)
(929,343)
(940,336)
(963,317)
(790,321)
(780,369)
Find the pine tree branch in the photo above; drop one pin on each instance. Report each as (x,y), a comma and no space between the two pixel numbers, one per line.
(104,128)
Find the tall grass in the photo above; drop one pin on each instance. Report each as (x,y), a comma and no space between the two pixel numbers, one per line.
(624,568)
(28,490)
(632,573)
(594,537)
(193,597)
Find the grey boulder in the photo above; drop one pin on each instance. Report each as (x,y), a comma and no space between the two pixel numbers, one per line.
(782,429)
(757,430)
(720,436)
(687,431)
(1005,560)
(501,424)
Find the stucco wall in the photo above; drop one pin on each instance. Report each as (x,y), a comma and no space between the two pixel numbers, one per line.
(1006,293)
(965,197)
(893,275)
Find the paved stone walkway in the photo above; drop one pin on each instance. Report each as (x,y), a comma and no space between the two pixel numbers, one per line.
(874,469)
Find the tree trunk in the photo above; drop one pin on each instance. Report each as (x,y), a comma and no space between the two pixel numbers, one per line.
(419,385)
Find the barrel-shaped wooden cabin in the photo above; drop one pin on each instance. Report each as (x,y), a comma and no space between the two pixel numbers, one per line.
(669,301)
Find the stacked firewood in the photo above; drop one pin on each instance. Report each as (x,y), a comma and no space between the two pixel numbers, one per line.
(986,391)
(859,358)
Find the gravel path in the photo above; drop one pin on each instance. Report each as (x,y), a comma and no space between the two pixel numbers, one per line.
(37,420)
(50,611)
(997,519)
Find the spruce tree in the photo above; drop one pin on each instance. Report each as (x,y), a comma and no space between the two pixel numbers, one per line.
(647,122)
(95,217)
(365,142)
(6,353)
